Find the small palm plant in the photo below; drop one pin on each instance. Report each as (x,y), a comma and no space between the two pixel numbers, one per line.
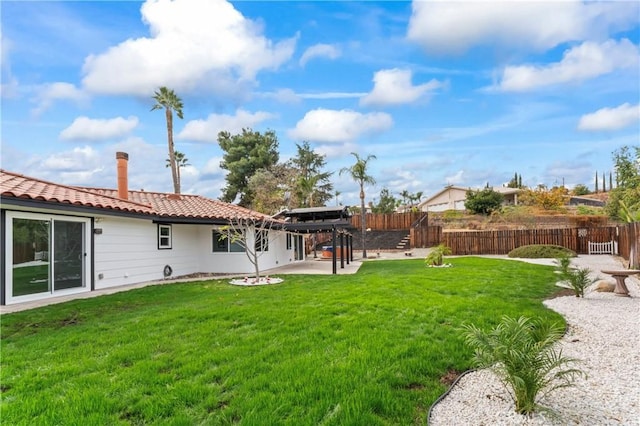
(435,256)
(579,280)
(521,352)
(563,267)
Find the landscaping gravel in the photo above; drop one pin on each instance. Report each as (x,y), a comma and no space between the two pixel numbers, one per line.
(603,333)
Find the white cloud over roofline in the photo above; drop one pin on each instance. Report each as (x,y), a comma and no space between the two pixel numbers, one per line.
(606,119)
(326,125)
(394,87)
(454,27)
(49,93)
(193,45)
(586,61)
(207,130)
(92,129)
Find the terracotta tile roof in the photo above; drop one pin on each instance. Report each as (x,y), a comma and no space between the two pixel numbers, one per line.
(14,185)
(186,206)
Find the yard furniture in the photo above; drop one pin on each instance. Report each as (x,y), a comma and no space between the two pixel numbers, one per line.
(621,288)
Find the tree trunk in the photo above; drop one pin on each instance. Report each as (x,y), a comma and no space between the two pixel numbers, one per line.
(363,217)
(172,151)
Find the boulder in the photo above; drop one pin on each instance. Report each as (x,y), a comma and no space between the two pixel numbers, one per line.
(604,286)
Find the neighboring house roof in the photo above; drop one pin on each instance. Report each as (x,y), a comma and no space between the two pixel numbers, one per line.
(163,205)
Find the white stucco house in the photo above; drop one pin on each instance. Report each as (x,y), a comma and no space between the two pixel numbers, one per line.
(59,239)
(453,198)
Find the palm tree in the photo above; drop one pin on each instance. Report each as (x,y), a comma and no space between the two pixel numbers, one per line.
(181,161)
(358,173)
(168,100)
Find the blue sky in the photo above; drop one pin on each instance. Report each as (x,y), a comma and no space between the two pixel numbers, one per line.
(463,93)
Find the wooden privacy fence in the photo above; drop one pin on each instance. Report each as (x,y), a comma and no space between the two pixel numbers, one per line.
(386,222)
(629,243)
(426,236)
(502,242)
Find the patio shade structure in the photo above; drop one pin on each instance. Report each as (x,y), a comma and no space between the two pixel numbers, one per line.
(322,220)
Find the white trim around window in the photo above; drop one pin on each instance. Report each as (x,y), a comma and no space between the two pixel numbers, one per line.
(164,237)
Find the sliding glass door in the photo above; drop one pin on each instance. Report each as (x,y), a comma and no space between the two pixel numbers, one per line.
(31,249)
(48,255)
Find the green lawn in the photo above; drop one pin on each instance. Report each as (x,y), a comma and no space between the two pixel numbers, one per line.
(365,349)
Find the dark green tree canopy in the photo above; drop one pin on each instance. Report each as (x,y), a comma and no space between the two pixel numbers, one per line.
(312,187)
(624,200)
(244,155)
(387,203)
(483,201)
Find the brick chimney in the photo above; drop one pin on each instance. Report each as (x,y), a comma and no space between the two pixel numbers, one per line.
(123,172)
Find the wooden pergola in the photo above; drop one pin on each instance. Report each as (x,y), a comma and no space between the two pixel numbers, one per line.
(313,220)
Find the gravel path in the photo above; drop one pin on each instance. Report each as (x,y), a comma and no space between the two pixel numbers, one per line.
(603,332)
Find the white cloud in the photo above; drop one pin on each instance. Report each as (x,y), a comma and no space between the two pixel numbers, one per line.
(207,130)
(9,84)
(588,60)
(455,179)
(394,87)
(325,125)
(194,45)
(88,129)
(610,118)
(454,27)
(319,51)
(286,96)
(332,95)
(79,159)
(49,93)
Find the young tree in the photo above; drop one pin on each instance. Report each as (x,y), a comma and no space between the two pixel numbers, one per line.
(548,199)
(251,233)
(483,201)
(181,161)
(312,186)
(359,173)
(244,155)
(168,100)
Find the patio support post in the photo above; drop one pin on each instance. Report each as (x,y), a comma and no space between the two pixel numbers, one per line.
(333,255)
(351,247)
(341,250)
(348,255)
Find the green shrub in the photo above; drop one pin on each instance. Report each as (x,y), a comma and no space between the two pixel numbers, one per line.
(590,211)
(521,352)
(537,251)
(435,256)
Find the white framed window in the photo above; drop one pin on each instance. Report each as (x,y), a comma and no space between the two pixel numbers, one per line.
(221,244)
(164,237)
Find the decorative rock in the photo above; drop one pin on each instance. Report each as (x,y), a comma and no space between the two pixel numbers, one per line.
(604,286)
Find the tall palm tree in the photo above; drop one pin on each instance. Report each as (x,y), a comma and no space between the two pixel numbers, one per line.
(181,161)
(168,100)
(358,173)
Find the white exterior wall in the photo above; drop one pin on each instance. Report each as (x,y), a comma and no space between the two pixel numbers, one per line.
(226,263)
(451,199)
(126,252)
